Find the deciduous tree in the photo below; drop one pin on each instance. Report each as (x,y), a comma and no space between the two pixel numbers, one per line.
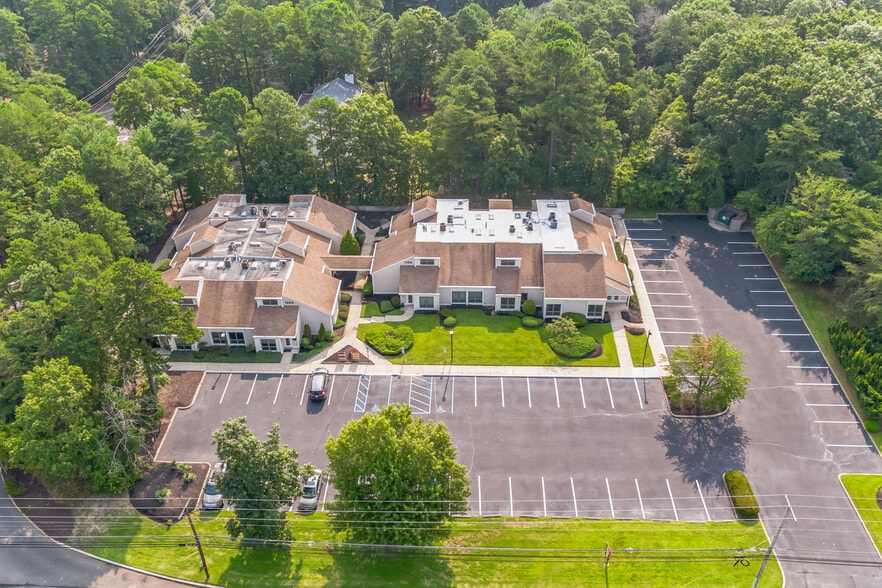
(709,372)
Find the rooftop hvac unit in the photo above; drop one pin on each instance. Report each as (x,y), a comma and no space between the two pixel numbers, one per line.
(449,219)
(552,215)
(253,210)
(241,230)
(265,210)
(255,243)
(244,264)
(261,222)
(260,230)
(529,226)
(221,265)
(275,213)
(227,262)
(443,227)
(554,223)
(511,228)
(201,265)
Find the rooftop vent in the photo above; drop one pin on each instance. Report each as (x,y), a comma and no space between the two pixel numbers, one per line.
(261,222)
(449,219)
(244,264)
(265,210)
(253,210)
(511,228)
(228,262)
(554,223)
(443,227)
(529,226)
(552,215)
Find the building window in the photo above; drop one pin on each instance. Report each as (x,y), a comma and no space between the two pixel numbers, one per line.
(268,345)
(507,303)
(508,262)
(270,301)
(476,297)
(595,311)
(427,261)
(218,338)
(188,301)
(458,297)
(427,302)
(237,338)
(552,310)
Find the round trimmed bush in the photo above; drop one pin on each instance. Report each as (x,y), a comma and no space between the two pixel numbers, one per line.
(343,314)
(576,348)
(446,312)
(579,319)
(528,307)
(450,322)
(345,297)
(390,342)
(871,426)
(532,322)
(367,289)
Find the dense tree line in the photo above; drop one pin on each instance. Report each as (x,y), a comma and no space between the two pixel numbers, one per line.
(775,106)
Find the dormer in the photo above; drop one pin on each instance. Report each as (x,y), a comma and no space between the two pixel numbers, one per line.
(423,209)
(582,210)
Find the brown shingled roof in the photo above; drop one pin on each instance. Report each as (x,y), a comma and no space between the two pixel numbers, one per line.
(578,203)
(401,221)
(279,321)
(195,217)
(347,262)
(426,202)
(226,303)
(574,276)
(467,264)
(419,279)
(313,288)
(326,214)
(395,249)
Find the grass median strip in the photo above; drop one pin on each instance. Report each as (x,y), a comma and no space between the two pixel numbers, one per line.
(479,339)
(862,489)
(477,552)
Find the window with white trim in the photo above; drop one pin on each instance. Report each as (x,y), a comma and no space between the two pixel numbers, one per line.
(458,297)
(508,262)
(188,301)
(268,345)
(595,311)
(507,303)
(552,310)
(476,297)
(237,338)
(427,302)
(270,302)
(427,261)
(218,338)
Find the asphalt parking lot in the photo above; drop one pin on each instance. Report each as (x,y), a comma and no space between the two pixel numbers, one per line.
(539,446)
(798,429)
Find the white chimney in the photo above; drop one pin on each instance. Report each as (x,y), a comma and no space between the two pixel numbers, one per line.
(349,78)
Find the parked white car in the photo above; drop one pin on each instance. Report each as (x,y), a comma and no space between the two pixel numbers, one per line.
(311,488)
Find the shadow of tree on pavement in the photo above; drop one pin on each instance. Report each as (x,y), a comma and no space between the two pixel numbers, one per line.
(704,449)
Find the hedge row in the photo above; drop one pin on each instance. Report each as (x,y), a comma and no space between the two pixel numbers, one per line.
(391,342)
(532,322)
(576,348)
(861,357)
(742,494)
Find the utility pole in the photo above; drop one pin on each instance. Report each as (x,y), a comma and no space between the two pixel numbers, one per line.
(198,543)
(771,548)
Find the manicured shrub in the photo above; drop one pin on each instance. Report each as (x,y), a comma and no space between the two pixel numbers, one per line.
(349,244)
(345,297)
(396,301)
(386,306)
(528,307)
(746,506)
(871,426)
(575,348)
(450,322)
(860,353)
(391,342)
(532,322)
(323,333)
(307,333)
(580,320)
(360,237)
(339,323)
(446,312)
(368,289)
(343,313)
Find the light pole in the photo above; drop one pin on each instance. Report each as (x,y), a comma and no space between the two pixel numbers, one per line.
(643,365)
(403,361)
(451,347)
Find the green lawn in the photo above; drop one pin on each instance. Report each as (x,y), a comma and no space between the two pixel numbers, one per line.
(233,355)
(479,339)
(478,552)
(862,490)
(637,346)
(371,309)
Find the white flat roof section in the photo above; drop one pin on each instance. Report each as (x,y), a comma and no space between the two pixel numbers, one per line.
(549,225)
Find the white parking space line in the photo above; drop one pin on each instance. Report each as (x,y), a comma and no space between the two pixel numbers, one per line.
(793,514)
(703,503)
(813,384)
(836,422)
(669,293)
(774,306)
(476,391)
(529,397)
(807,367)
(331,391)
(679,333)
(672,306)
(250,392)
(833,445)
(389,397)
(609,493)
(798,351)
(640,498)
(224,393)
(637,389)
(556,394)
(792,334)
(510,498)
(582,392)
(761,279)
(279,387)
(480,509)
(575,503)
(671,494)
(608,389)
(662,281)
(836,405)
(502,389)
(303,394)
(754,265)
(544,504)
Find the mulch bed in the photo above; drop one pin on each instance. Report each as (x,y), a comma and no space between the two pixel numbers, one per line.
(632,315)
(598,351)
(51,516)
(184,496)
(686,407)
(332,359)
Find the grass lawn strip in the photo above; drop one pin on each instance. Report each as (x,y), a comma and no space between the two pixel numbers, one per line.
(637,347)
(479,339)
(862,490)
(479,551)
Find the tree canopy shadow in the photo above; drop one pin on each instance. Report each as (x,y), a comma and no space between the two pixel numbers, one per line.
(703,450)
(390,565)
(277,565)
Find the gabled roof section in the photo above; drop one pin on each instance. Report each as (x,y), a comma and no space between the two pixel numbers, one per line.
(338,89)
(574,276)
(419,280)
(320,213)
(312,288)
(395,249)
(423,209)
(347,263)
(467,264)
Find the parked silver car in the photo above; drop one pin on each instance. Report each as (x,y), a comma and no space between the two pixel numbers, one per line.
(211,497)
(311,488)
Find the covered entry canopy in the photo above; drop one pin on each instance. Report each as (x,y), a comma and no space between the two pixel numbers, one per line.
(348,263)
